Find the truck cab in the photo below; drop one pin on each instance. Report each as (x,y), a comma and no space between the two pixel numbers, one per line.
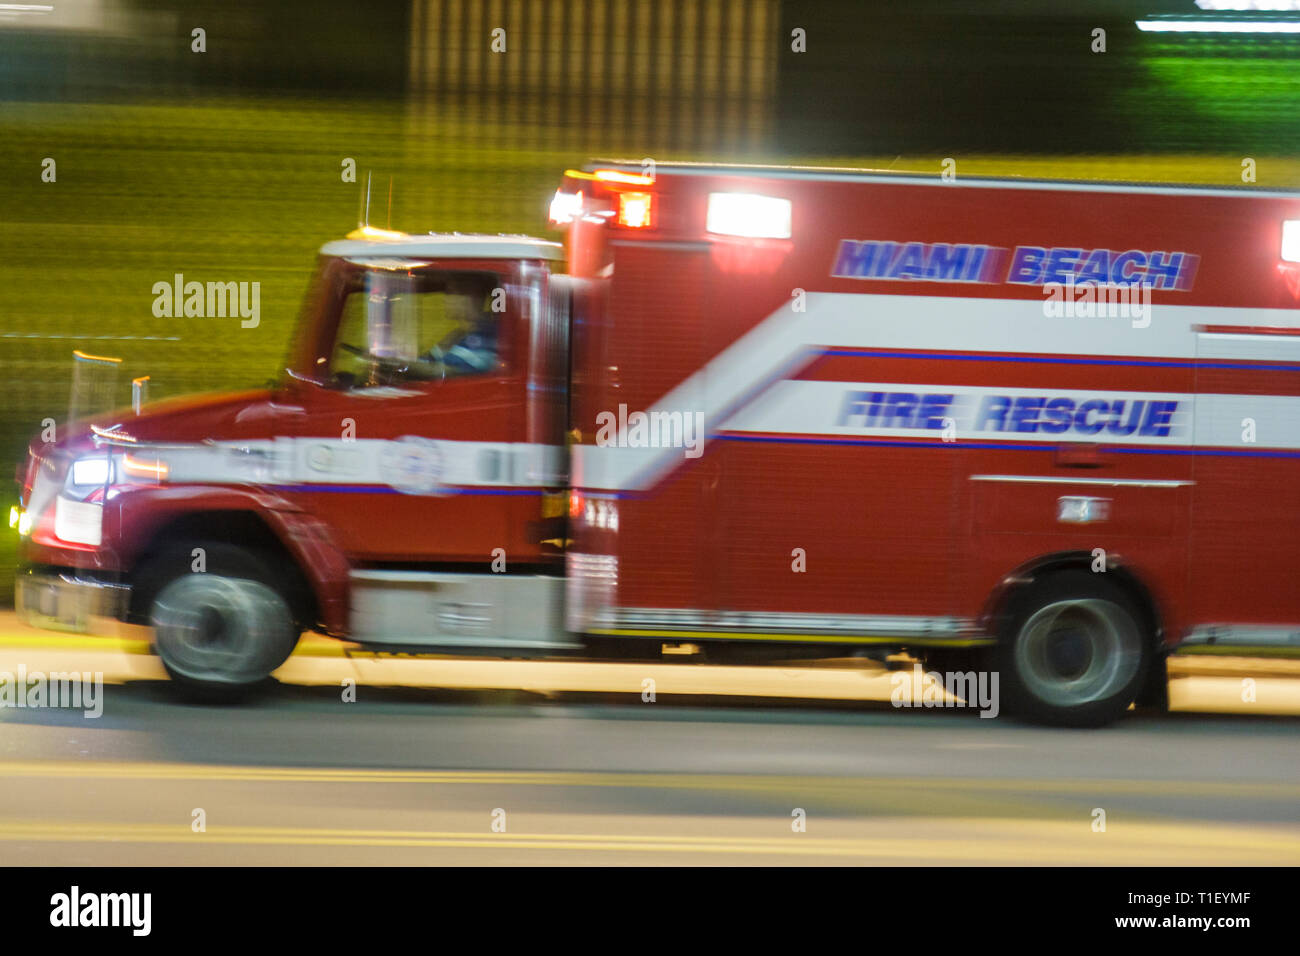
(401,485)
(423,409)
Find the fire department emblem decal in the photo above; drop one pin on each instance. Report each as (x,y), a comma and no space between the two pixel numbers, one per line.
(413,465)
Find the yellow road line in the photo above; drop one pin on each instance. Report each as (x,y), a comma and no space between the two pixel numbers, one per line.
(648,780)
(982,842)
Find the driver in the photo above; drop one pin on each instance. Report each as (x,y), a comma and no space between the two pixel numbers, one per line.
(474,349)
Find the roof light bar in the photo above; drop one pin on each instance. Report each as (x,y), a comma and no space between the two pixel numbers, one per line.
(611,176)
(373,232)
(618,176)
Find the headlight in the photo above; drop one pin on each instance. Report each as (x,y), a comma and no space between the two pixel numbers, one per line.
(90,471)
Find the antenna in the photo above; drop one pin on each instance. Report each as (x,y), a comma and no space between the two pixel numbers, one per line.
(390,204)
(367,219)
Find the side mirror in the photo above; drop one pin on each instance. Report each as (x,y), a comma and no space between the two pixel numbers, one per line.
(139,393)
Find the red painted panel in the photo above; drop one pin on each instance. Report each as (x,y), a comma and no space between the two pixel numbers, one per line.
(873,543)
(1245,541)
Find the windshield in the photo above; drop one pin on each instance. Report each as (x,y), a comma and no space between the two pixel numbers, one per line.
(417,325)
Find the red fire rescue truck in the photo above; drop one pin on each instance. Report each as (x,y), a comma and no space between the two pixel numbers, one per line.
(1047,429)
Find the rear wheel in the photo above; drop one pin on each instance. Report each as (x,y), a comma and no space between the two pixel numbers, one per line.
(221,632)
(1074,651)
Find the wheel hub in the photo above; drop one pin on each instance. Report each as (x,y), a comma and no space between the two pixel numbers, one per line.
(1077,651)
(217,630)
(1069,652)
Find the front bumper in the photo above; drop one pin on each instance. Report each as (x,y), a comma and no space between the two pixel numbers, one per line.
(67,600)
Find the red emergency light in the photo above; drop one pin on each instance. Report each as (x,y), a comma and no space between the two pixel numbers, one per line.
(623,197)
(636,210)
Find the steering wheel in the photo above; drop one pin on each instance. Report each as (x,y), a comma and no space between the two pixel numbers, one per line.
(388,371)
(384,371)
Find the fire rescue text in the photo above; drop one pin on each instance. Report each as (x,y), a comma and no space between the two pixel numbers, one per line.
(1056,415)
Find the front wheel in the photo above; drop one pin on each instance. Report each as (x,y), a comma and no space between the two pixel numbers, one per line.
(1074,651)
(220,636)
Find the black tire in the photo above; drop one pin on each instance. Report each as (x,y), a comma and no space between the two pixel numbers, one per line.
(1074,651)
(222,631)
(1153,698)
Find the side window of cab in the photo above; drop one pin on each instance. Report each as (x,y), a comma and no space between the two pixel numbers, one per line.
(413,325)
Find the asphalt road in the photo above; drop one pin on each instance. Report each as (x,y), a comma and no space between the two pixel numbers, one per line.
(511,768)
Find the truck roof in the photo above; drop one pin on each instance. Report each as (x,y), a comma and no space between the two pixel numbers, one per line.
(848,174)
(371,242)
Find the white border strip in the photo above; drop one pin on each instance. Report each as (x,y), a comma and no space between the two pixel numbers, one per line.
(1108,482)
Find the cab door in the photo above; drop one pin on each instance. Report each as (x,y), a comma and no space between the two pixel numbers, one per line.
(411,442)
